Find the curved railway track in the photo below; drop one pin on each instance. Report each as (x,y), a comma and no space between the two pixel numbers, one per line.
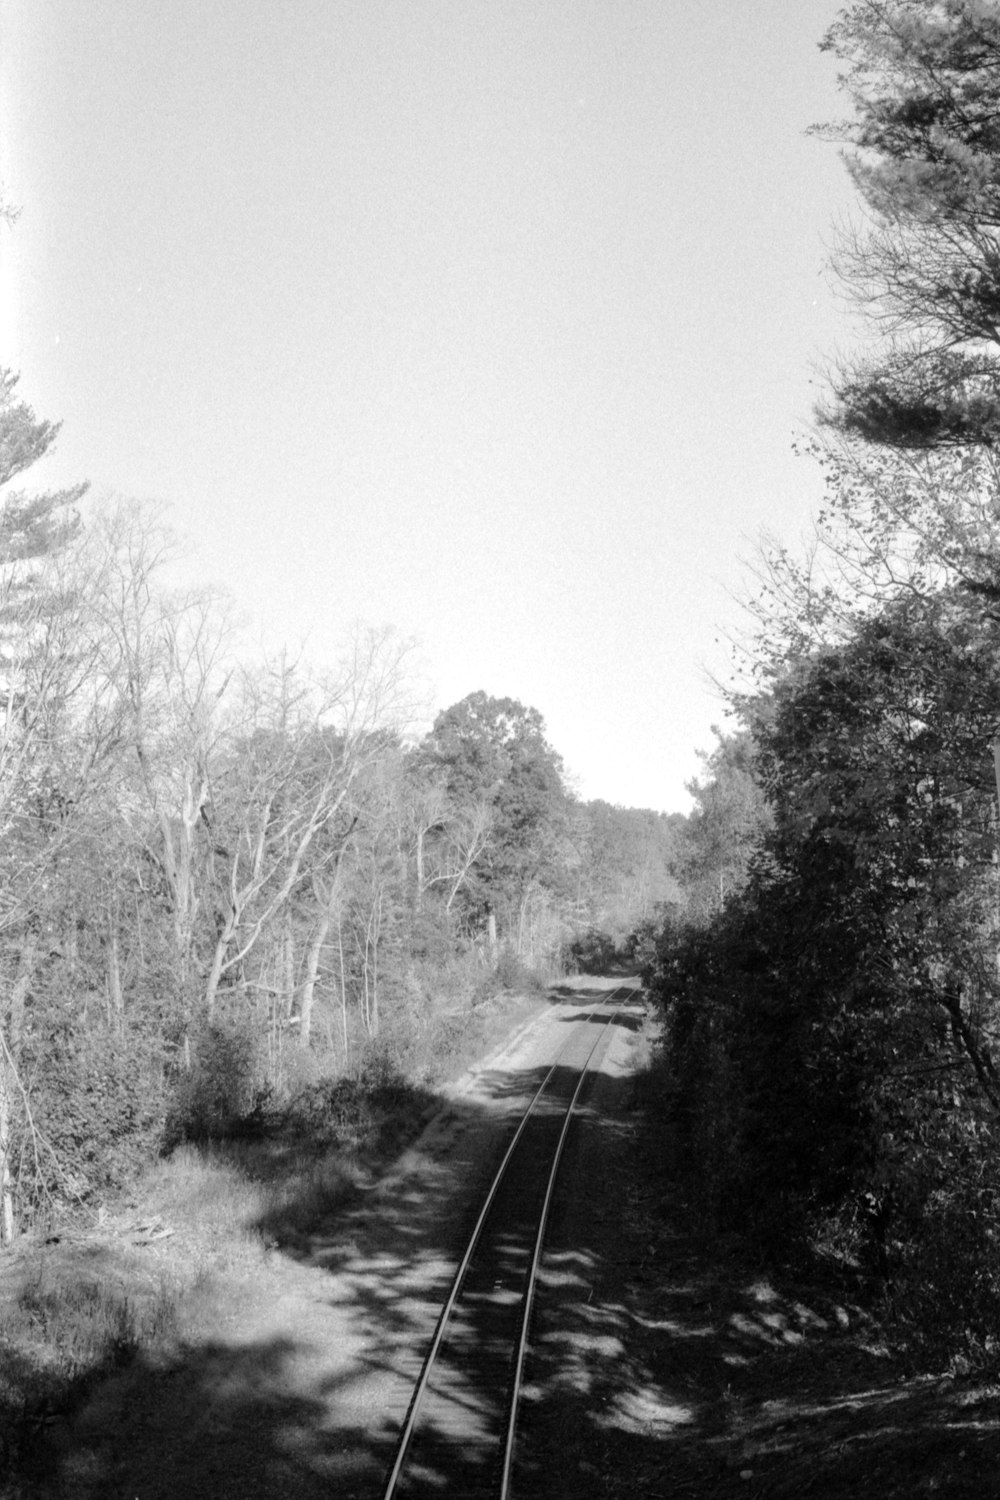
(459,1432)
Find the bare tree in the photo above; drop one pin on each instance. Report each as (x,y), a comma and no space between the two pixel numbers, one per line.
(284,792)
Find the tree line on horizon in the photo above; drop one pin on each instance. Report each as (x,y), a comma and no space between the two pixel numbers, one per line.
(223,879)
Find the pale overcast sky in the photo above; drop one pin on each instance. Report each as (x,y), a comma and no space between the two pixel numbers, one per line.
(493,320)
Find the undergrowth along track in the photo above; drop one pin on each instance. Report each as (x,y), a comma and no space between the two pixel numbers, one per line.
(458,1436)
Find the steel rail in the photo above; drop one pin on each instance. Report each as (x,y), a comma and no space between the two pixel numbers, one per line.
(536,1260)
(439,1330)
(423,1379)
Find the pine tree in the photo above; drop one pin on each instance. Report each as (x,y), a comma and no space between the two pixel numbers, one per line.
(32,529)
(924,80)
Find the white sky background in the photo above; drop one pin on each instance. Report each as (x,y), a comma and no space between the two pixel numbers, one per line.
(490,319)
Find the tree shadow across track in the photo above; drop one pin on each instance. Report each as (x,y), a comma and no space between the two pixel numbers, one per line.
(300,1386)
(661,1369)
(655,1370)
(303,1394)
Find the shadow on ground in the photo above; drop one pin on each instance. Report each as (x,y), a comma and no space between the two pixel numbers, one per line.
(656,1373)
(651,1374)
(305,1397)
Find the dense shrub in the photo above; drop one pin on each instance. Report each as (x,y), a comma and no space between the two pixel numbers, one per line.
(592,952)
(830,1030)
(512,976)
(334,1112)
(225,1092)
(96,1111)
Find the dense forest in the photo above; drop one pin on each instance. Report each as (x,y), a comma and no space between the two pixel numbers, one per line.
(832,1000)
(228,880)
(224,881)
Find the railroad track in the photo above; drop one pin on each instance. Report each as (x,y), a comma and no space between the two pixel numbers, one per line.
(459,1431)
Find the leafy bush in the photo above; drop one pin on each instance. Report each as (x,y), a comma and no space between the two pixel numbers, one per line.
(832,1030)
(97,1106)
(333,1112)
(511,977)
(364,1113)
(592,952)
(226,1092)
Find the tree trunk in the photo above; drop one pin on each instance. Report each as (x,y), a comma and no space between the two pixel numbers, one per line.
(6,1177)
(115,998)
(214,976)
(330,901)
(522,916)
(19,994)
(10,1046)
(288,965)
(343,985)
(376,933)
(418,902)
(218,966)
(308,991)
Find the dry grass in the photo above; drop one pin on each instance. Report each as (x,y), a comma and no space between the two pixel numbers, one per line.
(84,1299)
(72,1310)
(82,1303)
(215,1199)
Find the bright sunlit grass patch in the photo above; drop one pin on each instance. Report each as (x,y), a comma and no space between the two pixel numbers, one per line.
(91,1321)
(239,1199)
(218,1203)
(87,1300)
(73,1310)
(196,1243)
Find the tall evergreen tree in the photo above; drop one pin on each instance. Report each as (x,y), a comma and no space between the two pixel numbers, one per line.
(32,528)
(29,525)
(923,77)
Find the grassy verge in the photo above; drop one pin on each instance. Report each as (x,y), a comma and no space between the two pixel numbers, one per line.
(200,1230)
